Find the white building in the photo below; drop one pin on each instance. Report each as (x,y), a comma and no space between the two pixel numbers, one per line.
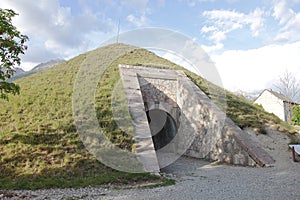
(274,102)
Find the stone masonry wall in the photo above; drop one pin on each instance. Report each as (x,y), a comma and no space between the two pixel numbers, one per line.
(160,94)
(216,137)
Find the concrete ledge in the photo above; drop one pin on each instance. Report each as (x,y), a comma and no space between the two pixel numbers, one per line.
(260,156)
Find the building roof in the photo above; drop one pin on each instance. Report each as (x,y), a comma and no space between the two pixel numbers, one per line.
(279,95)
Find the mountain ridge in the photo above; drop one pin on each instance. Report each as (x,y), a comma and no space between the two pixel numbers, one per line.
(20,73)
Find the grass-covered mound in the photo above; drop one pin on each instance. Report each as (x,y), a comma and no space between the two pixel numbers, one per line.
(39,146)
(241,111)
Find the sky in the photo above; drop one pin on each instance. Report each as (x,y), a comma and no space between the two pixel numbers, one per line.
(250,42)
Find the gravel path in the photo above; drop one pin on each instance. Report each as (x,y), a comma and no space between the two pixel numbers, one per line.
(197,179)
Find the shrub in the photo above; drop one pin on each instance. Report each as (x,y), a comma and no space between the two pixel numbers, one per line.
(296,117)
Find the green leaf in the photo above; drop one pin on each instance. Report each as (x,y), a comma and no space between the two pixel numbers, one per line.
(12,44)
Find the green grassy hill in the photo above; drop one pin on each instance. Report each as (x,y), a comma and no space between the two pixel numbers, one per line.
(39,146)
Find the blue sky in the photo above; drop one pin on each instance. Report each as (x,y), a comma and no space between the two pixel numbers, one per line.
(250,42)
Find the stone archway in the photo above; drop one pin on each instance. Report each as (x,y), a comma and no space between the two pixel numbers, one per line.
(163,127)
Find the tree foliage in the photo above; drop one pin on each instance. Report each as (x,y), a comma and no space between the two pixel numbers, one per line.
(296,117)
(12,44)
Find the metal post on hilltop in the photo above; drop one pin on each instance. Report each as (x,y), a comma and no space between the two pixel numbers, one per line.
(118,33)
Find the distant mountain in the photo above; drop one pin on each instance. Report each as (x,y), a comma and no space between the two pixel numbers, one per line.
(49,64)
(250,96)
(20,73)
(17,72)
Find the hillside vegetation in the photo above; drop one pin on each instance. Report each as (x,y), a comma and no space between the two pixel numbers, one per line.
(39,146)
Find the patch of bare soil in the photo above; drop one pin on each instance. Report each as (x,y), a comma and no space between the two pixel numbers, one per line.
(276,144)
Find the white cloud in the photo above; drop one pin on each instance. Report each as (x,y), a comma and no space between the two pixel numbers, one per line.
(137,21)
(140,5)
(53,29)
(193,3)
(177,59)
(289,20)
(140,10)
(190,3)
(256,21)
(218,36)
(281,12)
(29,65)
(206,29)
(213,48)
(222,22)
(248,70)
(257,68)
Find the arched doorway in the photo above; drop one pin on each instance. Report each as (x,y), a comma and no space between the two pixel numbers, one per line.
(163,127)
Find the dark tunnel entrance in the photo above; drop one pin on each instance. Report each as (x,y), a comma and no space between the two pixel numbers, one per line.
(163,127)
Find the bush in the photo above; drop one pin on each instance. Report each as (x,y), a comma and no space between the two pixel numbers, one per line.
(296,117)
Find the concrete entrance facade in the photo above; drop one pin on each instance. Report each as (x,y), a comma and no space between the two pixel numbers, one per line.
(173,117)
